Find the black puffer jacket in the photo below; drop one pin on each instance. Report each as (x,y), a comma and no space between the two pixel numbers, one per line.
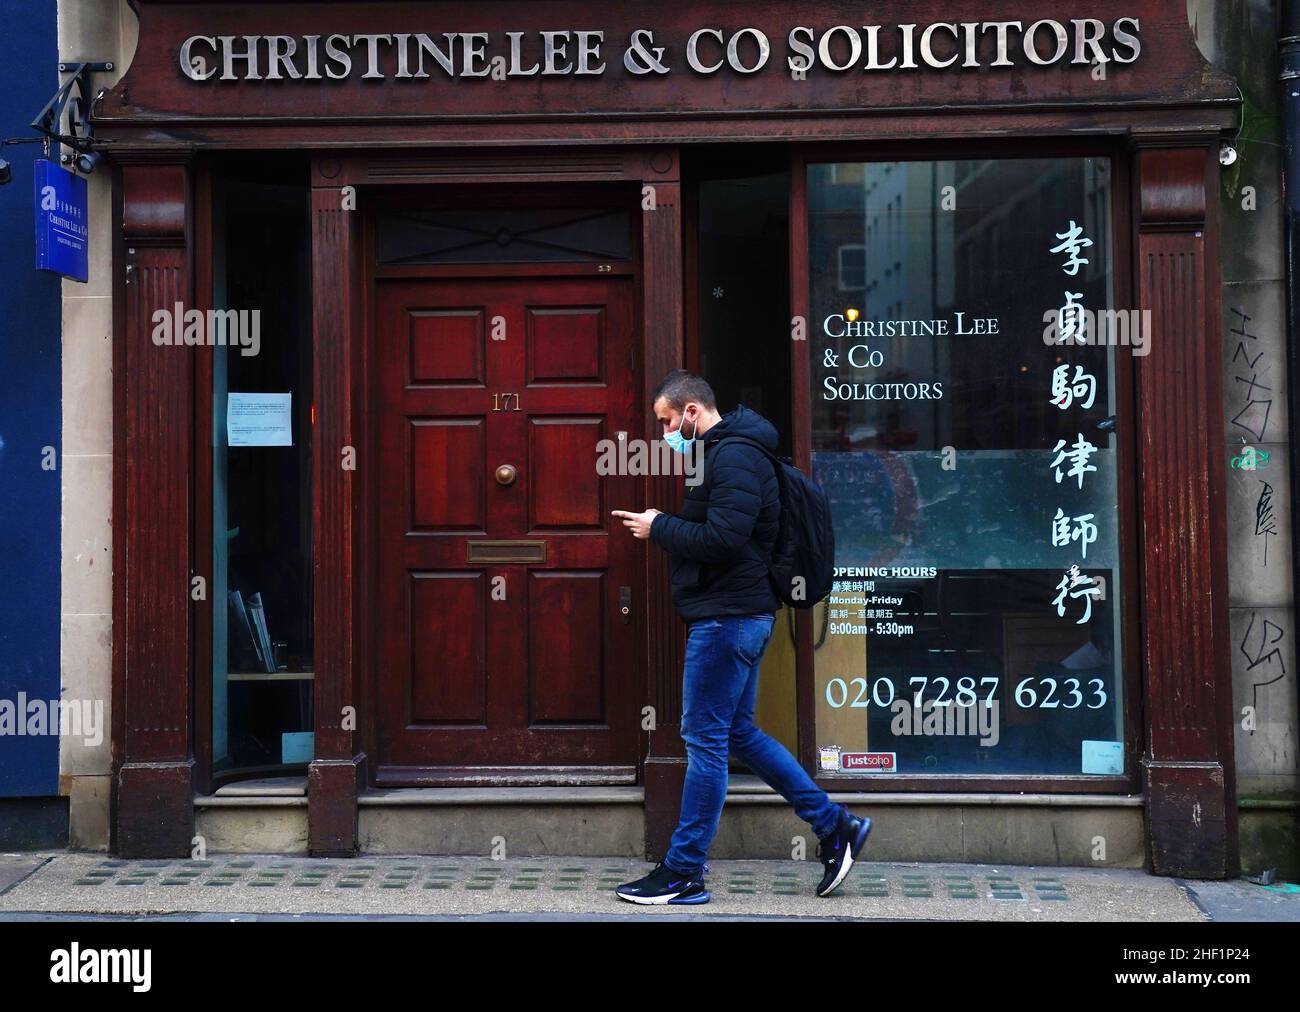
(727,526)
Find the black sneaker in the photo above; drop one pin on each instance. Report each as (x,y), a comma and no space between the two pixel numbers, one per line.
(840,849)
(663,885)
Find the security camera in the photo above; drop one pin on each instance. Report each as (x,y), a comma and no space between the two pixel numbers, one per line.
(87,160)
(6,174)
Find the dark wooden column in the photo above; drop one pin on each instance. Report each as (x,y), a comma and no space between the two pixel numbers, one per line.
(665,766)
(1188,765)
(153,512)
(337,772)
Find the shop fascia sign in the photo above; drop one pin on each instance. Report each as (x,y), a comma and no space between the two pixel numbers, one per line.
(707,50)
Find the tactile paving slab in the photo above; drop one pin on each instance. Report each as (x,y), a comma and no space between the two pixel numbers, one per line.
(488,875)
(424,885)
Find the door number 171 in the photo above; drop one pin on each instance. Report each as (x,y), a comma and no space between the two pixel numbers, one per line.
(501,402)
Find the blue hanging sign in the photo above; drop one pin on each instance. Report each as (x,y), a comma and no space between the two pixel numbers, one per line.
(61,221)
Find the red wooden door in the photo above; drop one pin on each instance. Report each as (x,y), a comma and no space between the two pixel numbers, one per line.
(520,664)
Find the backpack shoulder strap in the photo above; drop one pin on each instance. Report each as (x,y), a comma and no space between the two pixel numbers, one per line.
(776,468)
(752,442)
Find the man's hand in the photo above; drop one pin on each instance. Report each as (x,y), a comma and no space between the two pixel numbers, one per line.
(638,522)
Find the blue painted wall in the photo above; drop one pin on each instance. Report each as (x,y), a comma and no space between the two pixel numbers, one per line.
(30,411)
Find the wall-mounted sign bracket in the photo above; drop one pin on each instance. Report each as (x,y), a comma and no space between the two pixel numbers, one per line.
(74,98)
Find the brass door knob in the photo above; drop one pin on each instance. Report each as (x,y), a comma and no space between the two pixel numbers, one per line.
(506,474)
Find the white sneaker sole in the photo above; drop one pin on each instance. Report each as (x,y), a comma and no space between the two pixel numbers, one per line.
(844,871)
(647,900)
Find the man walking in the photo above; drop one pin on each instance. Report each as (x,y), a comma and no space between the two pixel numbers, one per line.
(720,587)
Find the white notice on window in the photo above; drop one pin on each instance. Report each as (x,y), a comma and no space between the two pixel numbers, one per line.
(1103,756)
(259,419)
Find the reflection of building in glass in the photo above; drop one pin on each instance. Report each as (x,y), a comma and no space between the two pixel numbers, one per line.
(908,234)
(950,267)
(957,246)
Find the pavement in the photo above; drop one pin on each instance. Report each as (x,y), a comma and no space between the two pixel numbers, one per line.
(62,885)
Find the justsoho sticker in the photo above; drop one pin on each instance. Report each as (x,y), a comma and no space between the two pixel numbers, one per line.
(869,762)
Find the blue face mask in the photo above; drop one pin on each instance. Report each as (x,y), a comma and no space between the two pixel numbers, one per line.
(675,439)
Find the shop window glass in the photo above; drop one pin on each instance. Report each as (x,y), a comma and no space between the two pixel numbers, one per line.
(262,663)
(744,343)
(975,625)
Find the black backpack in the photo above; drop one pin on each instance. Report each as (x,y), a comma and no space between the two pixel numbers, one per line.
(802,564)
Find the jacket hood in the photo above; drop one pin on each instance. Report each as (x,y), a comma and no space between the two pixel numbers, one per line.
(743,421)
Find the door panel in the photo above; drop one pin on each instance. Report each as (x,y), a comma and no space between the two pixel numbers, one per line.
(447,659)
(441,447)
(574,506)
(561,606)
(512,663)
(446,346)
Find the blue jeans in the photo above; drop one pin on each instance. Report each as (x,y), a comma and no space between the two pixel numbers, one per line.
(719,687)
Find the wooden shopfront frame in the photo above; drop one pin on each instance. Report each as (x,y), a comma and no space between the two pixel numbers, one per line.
(344,317)
(1164,121)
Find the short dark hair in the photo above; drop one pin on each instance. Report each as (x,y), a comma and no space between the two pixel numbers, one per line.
(680,386)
